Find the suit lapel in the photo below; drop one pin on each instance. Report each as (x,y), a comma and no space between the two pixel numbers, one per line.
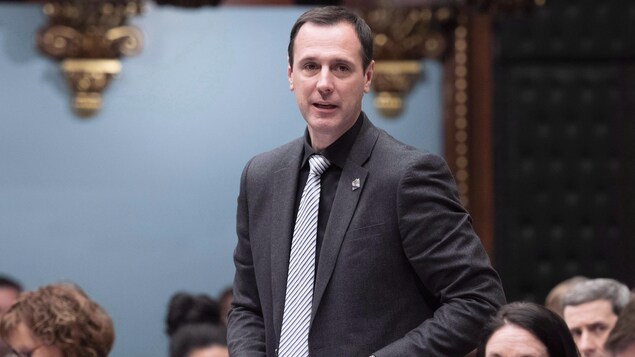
(344,205)
(282,209)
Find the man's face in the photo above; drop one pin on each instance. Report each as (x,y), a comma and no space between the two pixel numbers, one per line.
(590,324)
(328,79)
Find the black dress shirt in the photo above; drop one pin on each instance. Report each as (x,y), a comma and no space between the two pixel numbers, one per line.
(336,153)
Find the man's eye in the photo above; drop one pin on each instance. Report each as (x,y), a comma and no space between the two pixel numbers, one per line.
(310,67)
(576,333)
(598,328)
(342,68)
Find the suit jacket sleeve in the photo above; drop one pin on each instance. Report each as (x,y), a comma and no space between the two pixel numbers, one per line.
(246,331)
(448,257)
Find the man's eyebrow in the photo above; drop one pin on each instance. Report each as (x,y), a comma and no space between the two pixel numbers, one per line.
(304,59)
(344,60)
(334,60)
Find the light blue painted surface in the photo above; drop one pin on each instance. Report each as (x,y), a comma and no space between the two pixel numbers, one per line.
(139,202)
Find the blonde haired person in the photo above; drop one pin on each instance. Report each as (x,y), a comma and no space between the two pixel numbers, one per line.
(57,320)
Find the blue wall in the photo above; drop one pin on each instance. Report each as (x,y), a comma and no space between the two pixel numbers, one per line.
(139,201)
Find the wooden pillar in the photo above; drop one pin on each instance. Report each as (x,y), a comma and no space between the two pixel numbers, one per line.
(467,89)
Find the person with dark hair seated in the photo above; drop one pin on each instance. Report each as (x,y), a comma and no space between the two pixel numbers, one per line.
(194,326)
(199,340)
(185,308)
(528,330)
(57,320)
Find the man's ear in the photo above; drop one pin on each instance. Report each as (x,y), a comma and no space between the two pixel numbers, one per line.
(290,77)
(368,76)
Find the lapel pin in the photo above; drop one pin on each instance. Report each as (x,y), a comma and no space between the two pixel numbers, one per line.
(355,184)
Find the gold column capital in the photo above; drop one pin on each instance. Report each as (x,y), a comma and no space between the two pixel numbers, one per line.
(403,37)
(392,81)
(88,37)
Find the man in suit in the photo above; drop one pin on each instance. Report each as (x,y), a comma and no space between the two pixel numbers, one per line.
(591,309)
(396,268)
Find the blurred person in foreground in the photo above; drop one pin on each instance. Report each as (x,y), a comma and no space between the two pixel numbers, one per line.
(591,309)
(621,340)
(186,308)
(524,329)
(351,243)
(10,289)
(57,320)
(199,340)
(193,324)
(225,301)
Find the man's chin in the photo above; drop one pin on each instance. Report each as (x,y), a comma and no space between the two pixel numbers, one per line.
(322,122)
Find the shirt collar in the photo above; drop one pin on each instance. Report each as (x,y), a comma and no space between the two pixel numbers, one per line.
(337,152)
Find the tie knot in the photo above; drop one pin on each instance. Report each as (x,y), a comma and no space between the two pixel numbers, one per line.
(318,164)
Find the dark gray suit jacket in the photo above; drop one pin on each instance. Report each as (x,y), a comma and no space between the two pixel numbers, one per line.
(401,271)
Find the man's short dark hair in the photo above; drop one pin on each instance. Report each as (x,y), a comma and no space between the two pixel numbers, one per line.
(331,15)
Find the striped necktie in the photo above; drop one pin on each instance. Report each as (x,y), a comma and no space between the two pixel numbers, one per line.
(296,318)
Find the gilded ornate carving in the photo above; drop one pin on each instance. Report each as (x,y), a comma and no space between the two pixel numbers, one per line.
(393,79)
(88,78)
(188,3)
(506,5)
(409,33)
(412,30)
(88,37)
(403,37)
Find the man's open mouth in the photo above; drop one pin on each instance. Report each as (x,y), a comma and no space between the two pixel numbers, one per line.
(324,106)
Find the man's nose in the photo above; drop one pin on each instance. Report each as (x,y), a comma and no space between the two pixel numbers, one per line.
(325,81)
(588,343)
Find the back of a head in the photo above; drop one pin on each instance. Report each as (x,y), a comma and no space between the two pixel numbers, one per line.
(622,335)
(553,301)
(544,324)
(185,308)
(598,289)
(195,336)
(64,316)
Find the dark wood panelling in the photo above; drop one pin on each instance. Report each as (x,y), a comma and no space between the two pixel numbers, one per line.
(564,145)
